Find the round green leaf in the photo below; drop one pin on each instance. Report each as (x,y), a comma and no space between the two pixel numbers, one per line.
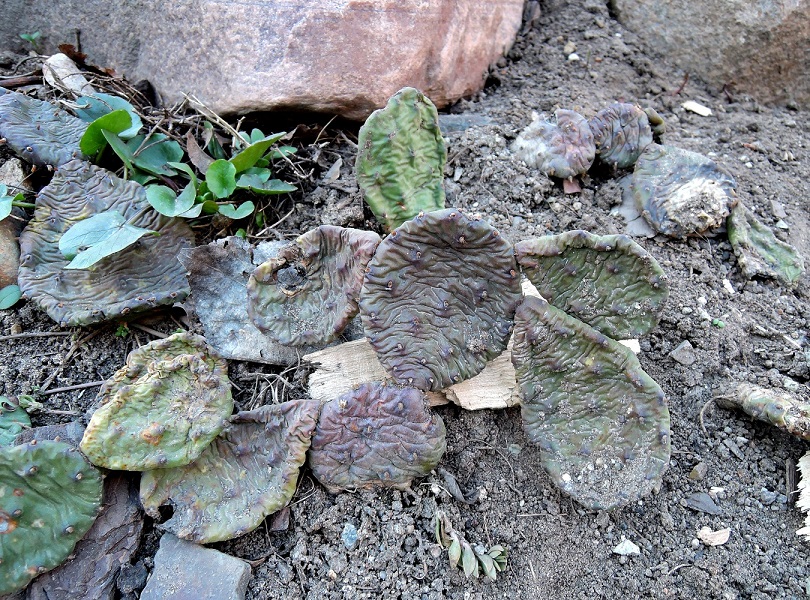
(99,236)
(9,296)
(221,178)
(154,154)
(92,107)
(245,209)
(93,140)
(5,206)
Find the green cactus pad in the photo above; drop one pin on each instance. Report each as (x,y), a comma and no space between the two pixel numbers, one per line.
(308,293)
(681,193)
(562,149)
(778,408)
(38,131)
(249,472)
(49,498)
(439,298)
(377,434)
(162,409)
(400,159)
(621,132)
(601,422)
(759,252)
(609,282)
(13,420)
(140,277)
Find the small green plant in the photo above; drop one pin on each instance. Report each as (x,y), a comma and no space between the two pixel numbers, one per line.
(122,331)
(8,202)
(474,559)
(33,39)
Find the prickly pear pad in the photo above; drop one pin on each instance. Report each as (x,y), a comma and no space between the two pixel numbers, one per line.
(308,293)
(39,132)
(49,498)
(609,282)
(248,473)
(439,297)
(562,149)
(377,434)
(621,131)
(162,409)
(400,158)
(601,422)
(143,276)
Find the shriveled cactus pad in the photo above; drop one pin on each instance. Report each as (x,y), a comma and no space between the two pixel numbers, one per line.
(562,149)
(38,131)
(249,472)
(400,158)
(759,252)
(162,409)
(308,293)
(609,282)
(377,434)
(778,408)
(681,193)
(49,498)
(145,275)
(621,132)
(601,422)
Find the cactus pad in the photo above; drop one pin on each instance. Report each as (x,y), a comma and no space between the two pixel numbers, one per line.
(401,157)
(38,131)
(601,422)
(140,277)
(49,498)
(609,282)
(249,472)
(162,409)
(439,298)
(13,420)
(377,434)
(563,149)
(681,193)
(308,293)
(778,408)
(621,132)
(758,250)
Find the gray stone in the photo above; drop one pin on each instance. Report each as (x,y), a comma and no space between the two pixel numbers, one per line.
(684,353)
(238,56)
(186,571)
(759,47)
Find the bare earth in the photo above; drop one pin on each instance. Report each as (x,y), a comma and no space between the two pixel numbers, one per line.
(556,549)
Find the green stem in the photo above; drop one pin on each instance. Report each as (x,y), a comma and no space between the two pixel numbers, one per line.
(23,204)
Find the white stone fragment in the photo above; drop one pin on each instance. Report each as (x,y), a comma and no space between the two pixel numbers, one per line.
(626,548)
(713,538)
(698,109)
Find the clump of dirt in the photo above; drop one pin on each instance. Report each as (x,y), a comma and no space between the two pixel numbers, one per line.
(740,330)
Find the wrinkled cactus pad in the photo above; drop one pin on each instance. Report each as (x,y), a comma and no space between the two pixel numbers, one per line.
(759,252)
(308,293)
(13,420)
(563,149)
(621,132)
(39,132)
(162,409)
(400,159)
(601,422)
(681,193)
(609,282)
(49,498)
(248,473)
(779,408)
(439,298)
(142,276)
(377,434)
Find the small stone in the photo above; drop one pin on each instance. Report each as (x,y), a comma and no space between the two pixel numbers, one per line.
(186,571)
(349,536)
(767,497)
(698,472)
(702,502)
(778,209)
(734,448)
(131,578)
(684,353)
(714,538)
(570,47)
(791,385)
(573,57)
(686,310)
(626,548)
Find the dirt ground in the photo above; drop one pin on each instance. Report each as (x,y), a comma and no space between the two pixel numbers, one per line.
(556,549)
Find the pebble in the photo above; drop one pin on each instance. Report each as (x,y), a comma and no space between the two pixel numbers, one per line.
(698,472)
(791,385)
(684,353)
(626,548)
(733,448)
(767,497)
(702,502)
(349,536)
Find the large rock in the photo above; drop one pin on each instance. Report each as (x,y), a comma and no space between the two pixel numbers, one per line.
(338,56)
(758,48)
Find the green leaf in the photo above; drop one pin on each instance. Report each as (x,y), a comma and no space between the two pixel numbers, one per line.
(5,205)
(97,237)
(93,140)
(248,157)
(140,177)
(241,233)
(9,296)
(212,145)
(119,147)
(166,202)
(186,169)
(92,107)
(282,151)
(273,186)
(154,154)
(454,552)
(209,207)
(245,209)
(221,178)
(468,561)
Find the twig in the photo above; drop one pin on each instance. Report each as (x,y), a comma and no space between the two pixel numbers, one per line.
(149,330)
(702,411)
(15,82)
(683,85)
(680,566)
(36,334)
(70,388)
(197,105)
